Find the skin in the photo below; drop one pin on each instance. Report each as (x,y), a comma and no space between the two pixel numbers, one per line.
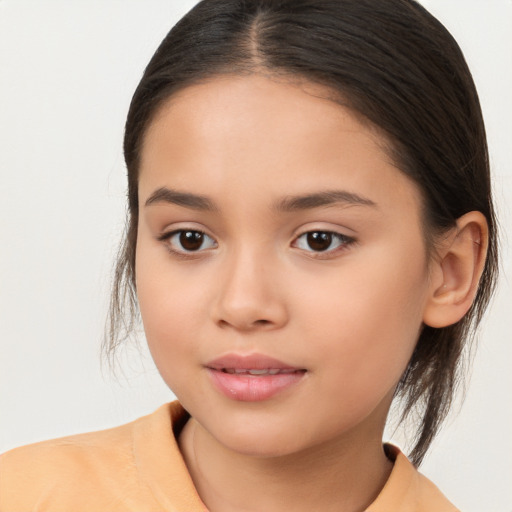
(350,316)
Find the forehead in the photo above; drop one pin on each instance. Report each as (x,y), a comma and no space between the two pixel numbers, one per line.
(224,102)
(267,137)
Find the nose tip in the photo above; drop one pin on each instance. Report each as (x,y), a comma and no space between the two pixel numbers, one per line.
(258,314)
(250,299)
(244,321)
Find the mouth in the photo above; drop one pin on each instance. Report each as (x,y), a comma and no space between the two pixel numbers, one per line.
(259,372)
(254,364)
(252,378)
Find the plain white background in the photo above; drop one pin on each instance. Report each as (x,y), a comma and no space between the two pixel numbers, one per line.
(67,72)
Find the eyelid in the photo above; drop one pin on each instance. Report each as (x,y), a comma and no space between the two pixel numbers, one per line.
(166,236)
(346,242)
(177,227)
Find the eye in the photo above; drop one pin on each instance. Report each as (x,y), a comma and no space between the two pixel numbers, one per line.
(322,241)
(188,240)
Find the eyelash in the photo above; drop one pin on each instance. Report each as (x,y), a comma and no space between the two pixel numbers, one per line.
(344,243)
(183,254)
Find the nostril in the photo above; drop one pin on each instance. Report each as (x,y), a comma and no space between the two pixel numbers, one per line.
(246,325)
(262,322)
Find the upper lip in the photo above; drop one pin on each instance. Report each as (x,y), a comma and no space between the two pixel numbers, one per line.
(248,362)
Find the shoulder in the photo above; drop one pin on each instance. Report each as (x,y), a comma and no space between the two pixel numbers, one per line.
(74,467)
(89,448)
(407,490)
(432,496)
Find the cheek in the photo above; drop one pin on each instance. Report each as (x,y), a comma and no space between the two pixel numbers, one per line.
(171,330)
(169,304)
(368,323)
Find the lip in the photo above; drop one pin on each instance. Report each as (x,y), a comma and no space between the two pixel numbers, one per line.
(252,388)
(248,362)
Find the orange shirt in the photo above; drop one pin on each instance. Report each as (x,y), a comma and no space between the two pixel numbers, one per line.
(138,467)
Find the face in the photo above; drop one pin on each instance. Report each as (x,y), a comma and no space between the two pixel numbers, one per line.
(281,267)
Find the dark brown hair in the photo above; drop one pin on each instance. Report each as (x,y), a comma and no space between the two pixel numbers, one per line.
(394,64)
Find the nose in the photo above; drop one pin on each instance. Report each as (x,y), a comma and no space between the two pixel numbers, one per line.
(249,296)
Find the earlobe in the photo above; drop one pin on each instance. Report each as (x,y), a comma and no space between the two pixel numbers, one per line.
(457,270)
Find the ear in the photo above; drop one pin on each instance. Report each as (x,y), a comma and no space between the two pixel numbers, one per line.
(456,271)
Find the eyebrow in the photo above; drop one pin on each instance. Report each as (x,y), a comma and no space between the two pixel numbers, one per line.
(286,204)
(193,201)
(323,198)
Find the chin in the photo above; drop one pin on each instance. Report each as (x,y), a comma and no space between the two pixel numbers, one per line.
(261,441)
(262,447)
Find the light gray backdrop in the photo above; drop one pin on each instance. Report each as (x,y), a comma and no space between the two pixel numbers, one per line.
(67,72)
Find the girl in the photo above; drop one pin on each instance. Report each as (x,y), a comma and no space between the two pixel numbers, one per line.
(311,235)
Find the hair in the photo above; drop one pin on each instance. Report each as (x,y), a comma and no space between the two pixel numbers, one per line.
(395,65)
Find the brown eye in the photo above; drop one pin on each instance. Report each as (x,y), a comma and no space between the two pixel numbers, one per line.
(319,240)
(187,240)
(322,241)
(191,240)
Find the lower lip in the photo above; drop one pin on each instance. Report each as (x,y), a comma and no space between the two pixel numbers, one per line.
(249,388)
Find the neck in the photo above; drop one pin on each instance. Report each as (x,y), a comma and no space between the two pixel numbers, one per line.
(345,474)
